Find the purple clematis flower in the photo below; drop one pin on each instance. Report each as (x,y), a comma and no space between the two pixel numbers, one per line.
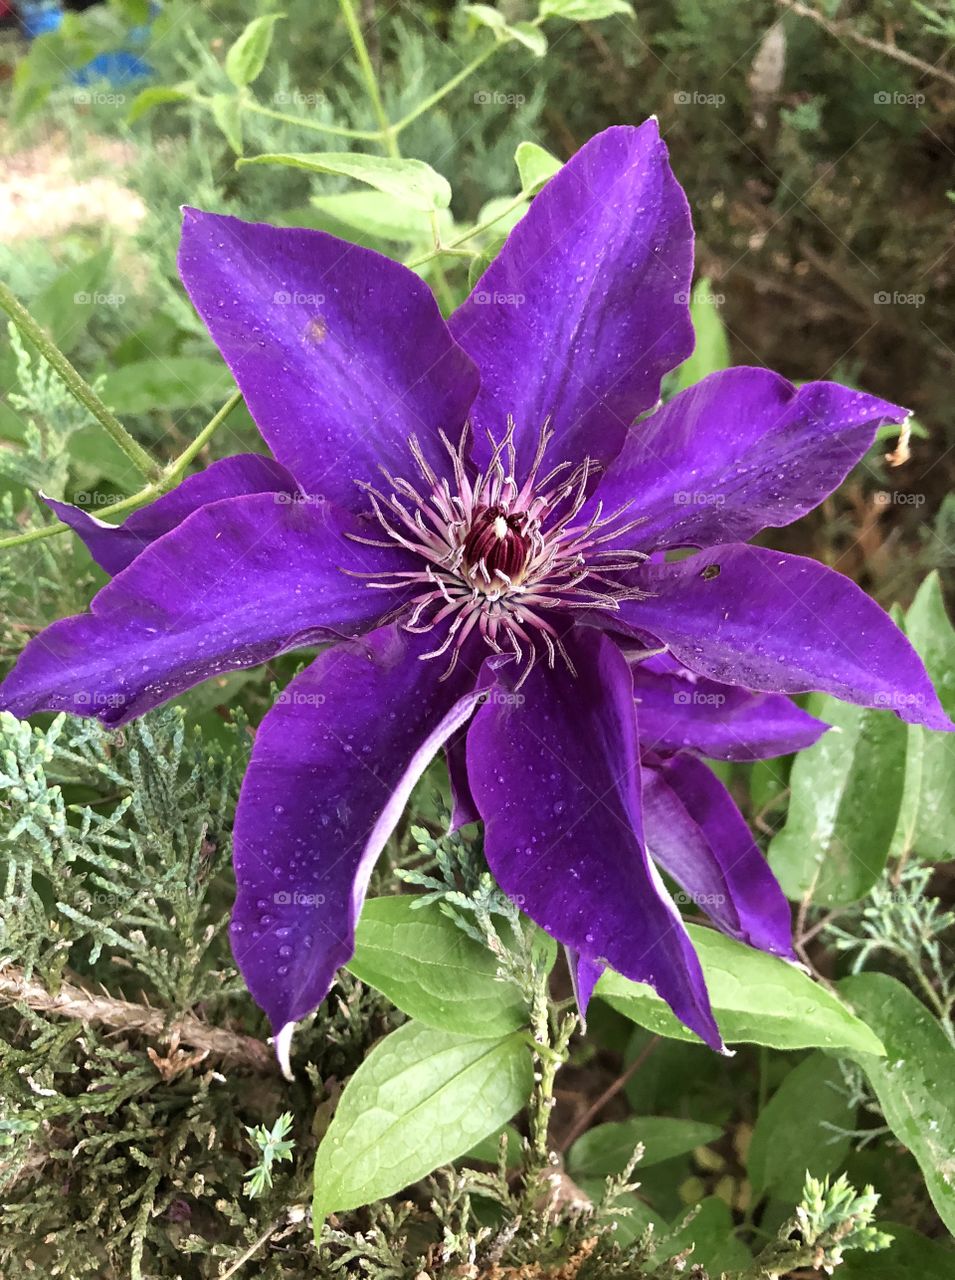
(466,513)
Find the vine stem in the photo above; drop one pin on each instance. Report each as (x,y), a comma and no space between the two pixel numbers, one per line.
(369,76)
(453,246)
(336,131)
(168,479)
(77,384)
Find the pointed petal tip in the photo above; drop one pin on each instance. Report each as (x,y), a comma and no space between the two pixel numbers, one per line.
(282,1041)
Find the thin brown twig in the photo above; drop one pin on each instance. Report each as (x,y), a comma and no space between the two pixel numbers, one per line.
(72,1001)
(842,30)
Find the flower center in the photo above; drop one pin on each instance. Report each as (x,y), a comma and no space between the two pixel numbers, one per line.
(508,560)
(496,550)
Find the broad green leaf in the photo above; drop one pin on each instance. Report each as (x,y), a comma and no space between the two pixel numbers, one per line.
(67,305)
(227,112)
(431,970)
(526,33)
(419,1100)
(630,1216)
(583,10)
(846,792)
(372,214)
(246,57)
(606,1148)
(791,1136)
(411,181)
(930,777)
(173,383)
(914,1082)
(756,998)
(535,165)
(910,1256)
(157,95)
(712,1234)
(488,1150)
(712,350)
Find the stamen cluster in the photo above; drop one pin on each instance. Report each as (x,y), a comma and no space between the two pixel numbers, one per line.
(498,554)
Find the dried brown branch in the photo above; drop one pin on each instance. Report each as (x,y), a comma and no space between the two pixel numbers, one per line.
(72,1001)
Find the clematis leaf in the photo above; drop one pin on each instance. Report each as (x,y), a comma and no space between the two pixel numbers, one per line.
(846,796)
(526,33)
(756,998)
(605,1149)
(227,112)
(795,1131)
(712,1233)
(914,1082)
(246,57)
(174,382)
(419,1100)
(433,971)
(535,166)
(930,777)
(712,350)
(157,95)
(411,181)
(367,213)
(583,10)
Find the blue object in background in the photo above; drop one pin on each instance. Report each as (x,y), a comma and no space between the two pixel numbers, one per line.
(118,67)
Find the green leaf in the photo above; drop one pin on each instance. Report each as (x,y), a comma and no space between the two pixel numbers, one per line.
(431,970)
(530,36)
(66,306)
(411,181)
(227,112)
(914,1082)
(712,350)
(535,165)
(488,1150)
(606,1148)
(526,33)
(246,58)
(756,998)
(930,777)
(174,383)
(629,1217)
(844,806)
(157,95)
(910,1256)
(791,1136)
(372,214)
(583,10)
(419,1100)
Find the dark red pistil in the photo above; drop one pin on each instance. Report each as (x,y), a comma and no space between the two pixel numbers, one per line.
(497,540)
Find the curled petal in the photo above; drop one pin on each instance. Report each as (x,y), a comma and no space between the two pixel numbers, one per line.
(557,781)
(333,765)
(585,309)
(781,624)
(696,833)
(341,354)
(678,710)
(236,583)
(742,450)
(114,546)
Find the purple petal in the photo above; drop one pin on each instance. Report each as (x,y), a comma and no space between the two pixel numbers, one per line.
(677,710)
(556,779)
(463,808)
(114,546)
(741,450)
(698,836)
(781,624)
(235,584)
(584,976)
(333,765)
(340,353)
(585,308)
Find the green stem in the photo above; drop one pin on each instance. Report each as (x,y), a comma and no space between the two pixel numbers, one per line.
(167,480)
(369,76)
(77,384)
(337,131)
(449,87)
(452,246)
